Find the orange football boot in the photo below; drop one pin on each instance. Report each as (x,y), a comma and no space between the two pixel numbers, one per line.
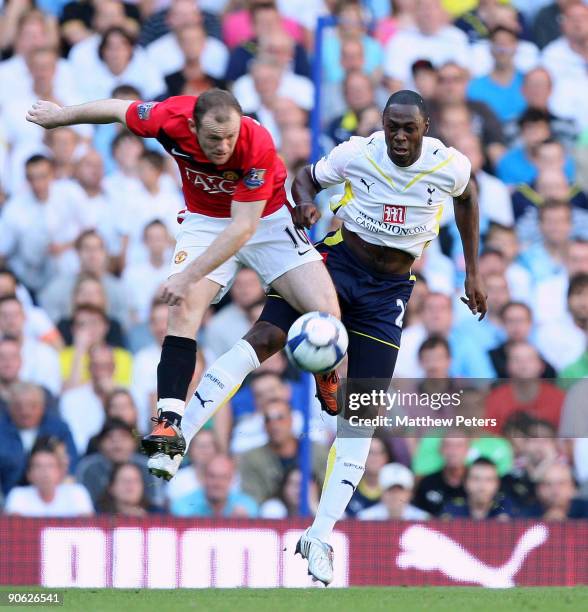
(326,391)
(166,438)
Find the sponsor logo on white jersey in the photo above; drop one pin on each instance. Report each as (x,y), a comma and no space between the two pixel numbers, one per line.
(394,228)
(394,213)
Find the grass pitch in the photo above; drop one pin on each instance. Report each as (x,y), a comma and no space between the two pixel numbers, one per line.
(389,599)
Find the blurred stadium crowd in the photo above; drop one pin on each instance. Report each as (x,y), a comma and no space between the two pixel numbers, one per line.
(88,218)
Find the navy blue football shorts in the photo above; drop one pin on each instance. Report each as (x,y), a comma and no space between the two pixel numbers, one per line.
(372,309)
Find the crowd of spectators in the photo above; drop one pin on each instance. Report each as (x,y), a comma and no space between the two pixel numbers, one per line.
(87,224)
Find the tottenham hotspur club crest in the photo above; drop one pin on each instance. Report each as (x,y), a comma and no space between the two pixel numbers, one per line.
(430,191)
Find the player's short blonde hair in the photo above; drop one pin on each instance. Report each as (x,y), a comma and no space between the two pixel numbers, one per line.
(218,100)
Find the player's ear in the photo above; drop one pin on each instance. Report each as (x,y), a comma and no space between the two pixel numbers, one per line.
(192,125)
(427,124)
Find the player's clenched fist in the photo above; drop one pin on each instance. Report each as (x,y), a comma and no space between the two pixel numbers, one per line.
(46,114)
(175,290)
(476,296)
(305,215)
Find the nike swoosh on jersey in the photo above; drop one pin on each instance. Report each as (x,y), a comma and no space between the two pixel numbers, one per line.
(180,154)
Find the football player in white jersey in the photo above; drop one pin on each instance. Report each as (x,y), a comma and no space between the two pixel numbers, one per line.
(396,184)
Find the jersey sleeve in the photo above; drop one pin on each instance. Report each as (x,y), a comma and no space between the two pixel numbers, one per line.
(259,166)
(146,118)
(330,170)
(462,170)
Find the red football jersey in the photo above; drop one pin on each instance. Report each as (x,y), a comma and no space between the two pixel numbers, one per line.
(253,173)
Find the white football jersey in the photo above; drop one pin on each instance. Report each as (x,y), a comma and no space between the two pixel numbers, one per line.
(390,205)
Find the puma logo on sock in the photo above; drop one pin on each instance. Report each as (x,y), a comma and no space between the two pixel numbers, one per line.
(349,483)
(202,401)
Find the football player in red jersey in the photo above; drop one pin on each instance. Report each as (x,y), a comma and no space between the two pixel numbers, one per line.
(237,214)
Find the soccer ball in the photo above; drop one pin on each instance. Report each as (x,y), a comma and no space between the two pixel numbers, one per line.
(317,342)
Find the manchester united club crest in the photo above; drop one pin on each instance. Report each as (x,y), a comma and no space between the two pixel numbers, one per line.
(254,178)
(180,257)
(230,175)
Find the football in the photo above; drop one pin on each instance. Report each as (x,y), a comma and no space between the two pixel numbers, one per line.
(317,342)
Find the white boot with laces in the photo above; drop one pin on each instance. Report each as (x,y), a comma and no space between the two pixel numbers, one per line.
(319,555)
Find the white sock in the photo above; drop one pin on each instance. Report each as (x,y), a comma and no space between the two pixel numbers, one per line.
(171,404)
(345,469)
(219,383)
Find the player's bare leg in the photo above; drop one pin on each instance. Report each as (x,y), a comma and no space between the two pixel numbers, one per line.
(306,288)
(309,287)
(296,289)
(165,445)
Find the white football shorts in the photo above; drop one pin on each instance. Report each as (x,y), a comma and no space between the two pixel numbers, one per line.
(275,248)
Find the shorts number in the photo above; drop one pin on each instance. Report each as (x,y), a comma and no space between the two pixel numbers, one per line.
(301,234)
(400,317)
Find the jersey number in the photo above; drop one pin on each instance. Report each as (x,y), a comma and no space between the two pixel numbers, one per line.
(400,317)
(300,233)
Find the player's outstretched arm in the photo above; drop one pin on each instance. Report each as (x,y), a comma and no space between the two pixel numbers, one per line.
(304,190)
(467,218)
(50,115)
(244,219)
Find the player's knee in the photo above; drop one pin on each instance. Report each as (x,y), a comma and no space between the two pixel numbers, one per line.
(187,316)
(330,304)
(181,322)
(266,339)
